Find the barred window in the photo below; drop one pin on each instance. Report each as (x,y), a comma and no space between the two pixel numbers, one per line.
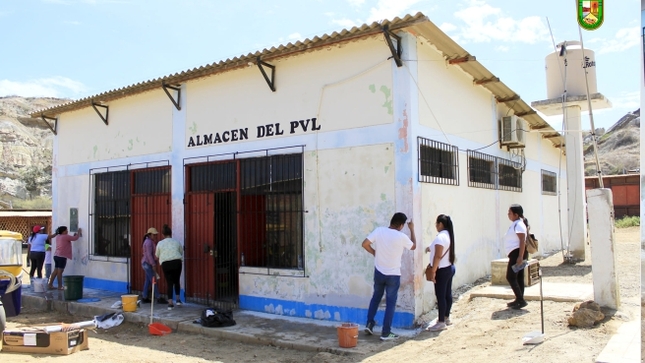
(510,175)
(481,170)
(438,162)
(549,183)
(112,214)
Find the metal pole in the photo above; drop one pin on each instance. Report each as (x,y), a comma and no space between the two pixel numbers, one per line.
(593,128)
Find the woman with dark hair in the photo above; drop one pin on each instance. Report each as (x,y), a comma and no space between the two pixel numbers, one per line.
(36,250)
(170,252)
(442,259)
(515,247)
(62,253)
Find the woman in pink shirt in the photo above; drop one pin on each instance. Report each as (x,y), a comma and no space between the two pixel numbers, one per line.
(62,254)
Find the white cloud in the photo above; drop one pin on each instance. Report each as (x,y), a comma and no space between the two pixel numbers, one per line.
(294,36)
(43,87)
(346,23)
(447,27)
(502,48)
(485,23)
(388,9)
(626,100)
(624,39)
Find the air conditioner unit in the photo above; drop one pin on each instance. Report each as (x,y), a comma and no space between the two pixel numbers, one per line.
(512,129)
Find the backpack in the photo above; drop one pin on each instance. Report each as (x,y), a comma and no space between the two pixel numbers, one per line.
(531,241)
(215,318)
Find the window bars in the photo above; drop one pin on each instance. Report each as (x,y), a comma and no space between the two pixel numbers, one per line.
(491,172)
(438,162)
(549,182)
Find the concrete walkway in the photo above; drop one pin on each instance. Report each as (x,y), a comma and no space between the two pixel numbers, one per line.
(252,327)
(308,334)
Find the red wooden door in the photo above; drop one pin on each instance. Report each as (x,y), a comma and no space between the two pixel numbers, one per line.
(147,211)
(200,247)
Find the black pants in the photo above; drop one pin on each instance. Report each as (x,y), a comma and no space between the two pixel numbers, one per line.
(443,291)
(516,280)
(37,262)
(172,272)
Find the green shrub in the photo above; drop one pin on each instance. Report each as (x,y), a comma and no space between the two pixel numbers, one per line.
(628,221)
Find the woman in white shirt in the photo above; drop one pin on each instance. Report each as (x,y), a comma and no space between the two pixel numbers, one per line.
(515,247)
(442,258)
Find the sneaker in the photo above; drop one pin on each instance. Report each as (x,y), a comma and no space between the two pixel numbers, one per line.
(369,328)
(447,321)
(171,306)
(437,327)
(161,300)
(179,303)
(146,300)
(520,304)
(512,303)
(390,336)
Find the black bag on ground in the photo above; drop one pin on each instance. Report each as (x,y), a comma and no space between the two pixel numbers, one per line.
(215,318)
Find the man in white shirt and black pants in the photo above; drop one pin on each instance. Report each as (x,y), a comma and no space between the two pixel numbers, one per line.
(387,245)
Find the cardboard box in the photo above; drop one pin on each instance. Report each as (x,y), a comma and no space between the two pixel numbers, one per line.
(36,341)
(498,272)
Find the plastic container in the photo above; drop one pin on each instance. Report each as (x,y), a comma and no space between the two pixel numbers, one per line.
(129,302)
(73,287)
(159,329)
(347,335)
(12,301)
(39,285)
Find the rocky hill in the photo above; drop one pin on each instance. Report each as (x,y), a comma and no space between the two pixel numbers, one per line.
(25,153)
(618,147)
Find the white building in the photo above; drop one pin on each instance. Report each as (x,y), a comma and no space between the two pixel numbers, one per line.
(271,169)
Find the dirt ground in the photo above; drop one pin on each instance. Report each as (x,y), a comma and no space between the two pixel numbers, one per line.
(484,330)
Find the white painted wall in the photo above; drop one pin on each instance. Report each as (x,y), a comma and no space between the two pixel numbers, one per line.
(137,125)
(479,215)
(345,198)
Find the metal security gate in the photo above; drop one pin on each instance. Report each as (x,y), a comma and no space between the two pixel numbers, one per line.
(151,207)
(211,234)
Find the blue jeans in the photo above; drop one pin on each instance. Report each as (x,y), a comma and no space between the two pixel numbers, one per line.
(389,285)
(150,273)
(443,290)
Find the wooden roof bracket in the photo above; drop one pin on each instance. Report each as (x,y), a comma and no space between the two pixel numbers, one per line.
(177,89)
(484,81)
(105,108)
(522,114)
(510,99)
(271,82)
(467,58)
(396,53)
(45,118)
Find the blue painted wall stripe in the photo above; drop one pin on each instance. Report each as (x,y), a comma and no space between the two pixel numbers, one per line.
(321,312)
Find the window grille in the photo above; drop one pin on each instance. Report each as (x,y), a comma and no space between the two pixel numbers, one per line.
(112,214)
(271,191)
(438,162)
(549,182)
(481,170)
(510,175)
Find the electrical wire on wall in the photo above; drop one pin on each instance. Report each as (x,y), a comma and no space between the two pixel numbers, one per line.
(563,76)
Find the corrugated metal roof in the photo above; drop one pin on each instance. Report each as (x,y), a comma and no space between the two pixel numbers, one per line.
(418,24)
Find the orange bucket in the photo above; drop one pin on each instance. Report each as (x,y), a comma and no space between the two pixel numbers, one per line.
(159,329)
(347,335)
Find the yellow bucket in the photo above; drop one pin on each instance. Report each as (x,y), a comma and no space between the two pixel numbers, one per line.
(129,302)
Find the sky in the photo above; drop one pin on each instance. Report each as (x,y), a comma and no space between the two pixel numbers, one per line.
(78,48)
